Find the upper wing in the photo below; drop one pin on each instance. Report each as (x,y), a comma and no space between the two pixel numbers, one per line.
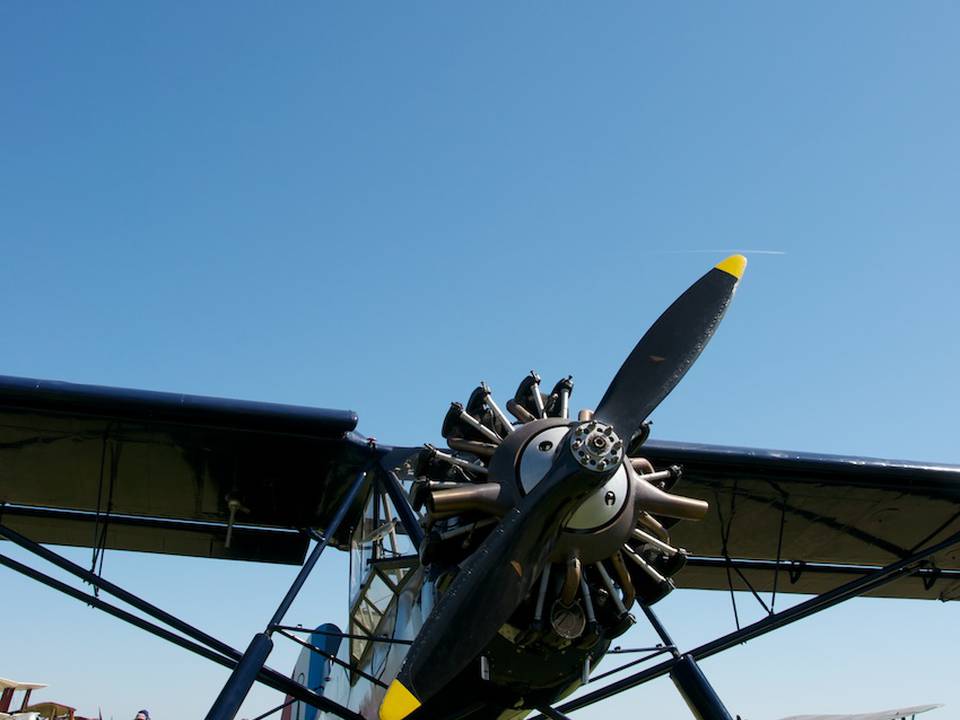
(840,517)
(159,472)
(895,714)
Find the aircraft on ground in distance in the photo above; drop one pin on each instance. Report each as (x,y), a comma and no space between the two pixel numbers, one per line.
(488,579)
(20,708)
(906,713)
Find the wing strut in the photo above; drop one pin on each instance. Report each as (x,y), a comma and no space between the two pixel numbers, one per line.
(689,679)
(235,690)
(207,647)
(855,588)
(552,714)
(248,667)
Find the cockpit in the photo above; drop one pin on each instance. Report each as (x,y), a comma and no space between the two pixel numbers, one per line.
(382,559)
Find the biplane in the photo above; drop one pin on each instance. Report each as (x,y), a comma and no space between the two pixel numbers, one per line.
(25,710)
(488,578)
(8,691)
(904,713)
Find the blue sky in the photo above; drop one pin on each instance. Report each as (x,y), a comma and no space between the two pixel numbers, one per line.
(374,207)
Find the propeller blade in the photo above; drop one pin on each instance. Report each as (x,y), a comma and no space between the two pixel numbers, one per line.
(496,578)
(669,348)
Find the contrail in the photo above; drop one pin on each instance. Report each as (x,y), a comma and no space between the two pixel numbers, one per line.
(720,250)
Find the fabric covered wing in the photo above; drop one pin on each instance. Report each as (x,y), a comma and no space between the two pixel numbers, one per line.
(137,470)
(840,518)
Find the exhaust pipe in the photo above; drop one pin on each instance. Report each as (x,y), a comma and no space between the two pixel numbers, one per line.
(484,498)
(659,502)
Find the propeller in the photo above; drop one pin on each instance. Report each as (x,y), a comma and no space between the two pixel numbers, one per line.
(668,349)
(495,579)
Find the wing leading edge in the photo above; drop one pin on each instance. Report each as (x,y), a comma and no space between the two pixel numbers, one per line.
(162,472)
(839,517)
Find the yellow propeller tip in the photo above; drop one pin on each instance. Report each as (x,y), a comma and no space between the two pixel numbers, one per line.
(398,702)
(733,265)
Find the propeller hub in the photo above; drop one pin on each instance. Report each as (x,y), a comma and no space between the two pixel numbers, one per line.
(596,446)
(527,456)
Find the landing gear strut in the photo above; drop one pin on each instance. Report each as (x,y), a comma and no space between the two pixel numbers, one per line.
(689,679)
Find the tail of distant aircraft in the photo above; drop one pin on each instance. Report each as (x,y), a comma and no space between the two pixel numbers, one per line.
(313,670)
(905,713)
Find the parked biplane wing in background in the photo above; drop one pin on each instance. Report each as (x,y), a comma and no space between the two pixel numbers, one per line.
(907,713)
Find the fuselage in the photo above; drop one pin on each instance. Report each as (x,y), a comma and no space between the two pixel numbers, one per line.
(546,677)
(607,554)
